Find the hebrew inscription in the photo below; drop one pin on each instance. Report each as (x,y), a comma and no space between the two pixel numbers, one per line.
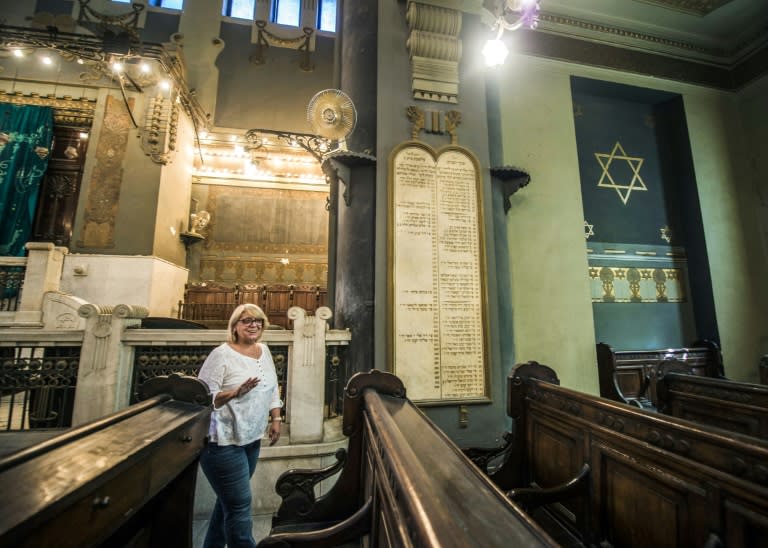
(438,287)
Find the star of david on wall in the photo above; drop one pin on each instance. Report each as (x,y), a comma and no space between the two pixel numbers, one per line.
(607,181)
(588,230)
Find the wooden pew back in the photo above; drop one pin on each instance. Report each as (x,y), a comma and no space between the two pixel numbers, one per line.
(403,483)
(127,479)
(736,407)
(628,375)
(653,480)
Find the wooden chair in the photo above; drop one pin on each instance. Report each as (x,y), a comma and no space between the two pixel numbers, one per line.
(251,293)
(628,376)
(208,303)
(278,299)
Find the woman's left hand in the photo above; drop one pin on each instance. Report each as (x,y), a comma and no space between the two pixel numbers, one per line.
(274,431)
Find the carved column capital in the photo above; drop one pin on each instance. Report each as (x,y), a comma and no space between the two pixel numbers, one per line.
(435,50)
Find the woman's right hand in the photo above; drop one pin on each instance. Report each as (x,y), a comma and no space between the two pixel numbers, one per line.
(247,386)
(226,395)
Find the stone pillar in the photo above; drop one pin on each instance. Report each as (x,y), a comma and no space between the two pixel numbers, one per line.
(104,375)
(306,375)
(200,44)
(354,199)
(44,266)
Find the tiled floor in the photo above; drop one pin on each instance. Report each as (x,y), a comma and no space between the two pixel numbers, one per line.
(261,526)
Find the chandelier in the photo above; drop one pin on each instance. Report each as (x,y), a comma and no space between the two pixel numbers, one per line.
(509,15)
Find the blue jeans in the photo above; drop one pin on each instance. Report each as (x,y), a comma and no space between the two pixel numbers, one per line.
(229,469)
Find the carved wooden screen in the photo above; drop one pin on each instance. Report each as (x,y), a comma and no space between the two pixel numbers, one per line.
(60,188)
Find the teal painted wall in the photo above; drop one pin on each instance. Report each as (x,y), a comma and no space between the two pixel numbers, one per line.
(641,209)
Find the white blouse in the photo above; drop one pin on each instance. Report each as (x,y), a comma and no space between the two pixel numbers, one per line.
(241,420)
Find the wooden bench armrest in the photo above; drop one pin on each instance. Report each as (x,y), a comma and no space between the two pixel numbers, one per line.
(641,403)
(348,530)
(297,487)
(483,456)
(533,497)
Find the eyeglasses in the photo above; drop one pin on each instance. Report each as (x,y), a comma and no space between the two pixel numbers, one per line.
(258,322)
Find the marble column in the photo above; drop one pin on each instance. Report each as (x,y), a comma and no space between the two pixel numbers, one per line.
(44,266)
(104,374)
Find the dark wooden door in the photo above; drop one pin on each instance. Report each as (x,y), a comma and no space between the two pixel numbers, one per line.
(60,188)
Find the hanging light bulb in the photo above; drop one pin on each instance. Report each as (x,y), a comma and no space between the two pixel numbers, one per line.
(510,15)
(495,52)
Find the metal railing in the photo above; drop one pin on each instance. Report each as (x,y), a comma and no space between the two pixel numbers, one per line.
(155,361)
(37,386)
(39,367)
(12,271)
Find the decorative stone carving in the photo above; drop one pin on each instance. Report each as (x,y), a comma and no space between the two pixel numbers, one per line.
(434,121)
(308,374)
(104,191)
(130,311)
(99,327)
(161,124)
(435,51)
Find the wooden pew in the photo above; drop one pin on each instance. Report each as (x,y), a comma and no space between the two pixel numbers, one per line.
(605,473)
(737,407)
(627,376)
(125,480)
(402,483)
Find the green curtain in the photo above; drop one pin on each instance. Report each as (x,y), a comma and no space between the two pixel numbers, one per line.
(26,139)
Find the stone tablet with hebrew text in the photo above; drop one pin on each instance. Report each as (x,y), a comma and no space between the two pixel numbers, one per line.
(437,282)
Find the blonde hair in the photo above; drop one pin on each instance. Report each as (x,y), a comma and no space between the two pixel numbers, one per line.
(252,310)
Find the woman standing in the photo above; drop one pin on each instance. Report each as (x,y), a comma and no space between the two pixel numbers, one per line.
(241,377)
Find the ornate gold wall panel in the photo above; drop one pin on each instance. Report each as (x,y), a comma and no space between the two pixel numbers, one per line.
(265,220)
(67,110)
(631,284)
(107,176)
(264,235)
(243,270)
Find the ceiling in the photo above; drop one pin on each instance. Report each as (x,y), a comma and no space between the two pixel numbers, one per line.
(719,31)
(715,43)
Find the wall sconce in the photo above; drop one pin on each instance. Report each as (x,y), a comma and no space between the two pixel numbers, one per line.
(509,15)
(197,221)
